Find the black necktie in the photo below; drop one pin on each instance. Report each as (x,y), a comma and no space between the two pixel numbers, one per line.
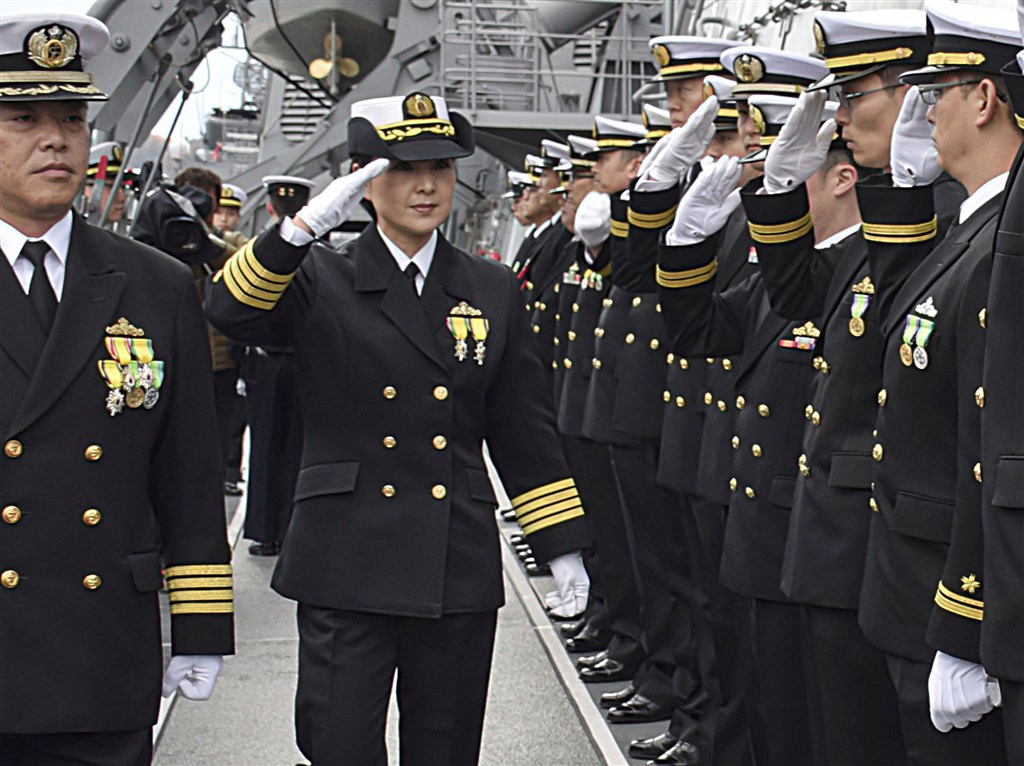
(39,290)
(410,273)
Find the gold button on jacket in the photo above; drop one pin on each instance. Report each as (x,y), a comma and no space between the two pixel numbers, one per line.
(9,579)
(92,517)
(93,452)
(92,581)
(11,514)
(439,491)
(13,448)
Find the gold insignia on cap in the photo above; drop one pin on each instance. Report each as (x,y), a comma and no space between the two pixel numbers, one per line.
(419,105)
(661,55)
(819,38)
(749,68)
(53,47)
(757,116)
(709,90)
(125,328)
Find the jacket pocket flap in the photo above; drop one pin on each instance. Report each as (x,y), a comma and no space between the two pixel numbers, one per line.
(326,479)
(851,470)
(1009,492)
(781,493)
(146,571)
(480,487)
(922,517)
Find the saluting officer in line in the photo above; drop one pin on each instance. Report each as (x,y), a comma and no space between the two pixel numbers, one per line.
(110,468)
(1002,445)
(409,354)
(927,439)
(104,163)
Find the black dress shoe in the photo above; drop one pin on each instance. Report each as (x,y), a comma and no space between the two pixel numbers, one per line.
(680,754)
(264,549)
(589,660)
(606,670)
(570,628)
(231,488)
(614,699)
(639,709)
(652,747)
(590,639)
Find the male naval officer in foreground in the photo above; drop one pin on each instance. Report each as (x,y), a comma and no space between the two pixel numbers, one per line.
(409,354)
(110,467)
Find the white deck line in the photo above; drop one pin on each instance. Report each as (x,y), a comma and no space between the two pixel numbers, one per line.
(597,729)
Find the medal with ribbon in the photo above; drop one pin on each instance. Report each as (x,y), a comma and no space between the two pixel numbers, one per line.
(862,292)
(133,376)
(465,321)
(909,331)
(924,332)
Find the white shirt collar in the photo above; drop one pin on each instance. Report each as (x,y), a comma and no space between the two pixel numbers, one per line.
(544,226)
(839,236)
(58,237)
(982,194)
(423,257)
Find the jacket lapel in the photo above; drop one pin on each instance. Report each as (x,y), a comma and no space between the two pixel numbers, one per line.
(768,327)
(852,267)
(21,334)
(376,270)
(735,250)
(939,260)
(88,304)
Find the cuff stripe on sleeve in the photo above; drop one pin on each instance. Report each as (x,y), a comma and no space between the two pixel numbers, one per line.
(970,608)
(547,505)
(200,589)
(651,220)
(900,234)
(620,228)
(688,278)
(781,233)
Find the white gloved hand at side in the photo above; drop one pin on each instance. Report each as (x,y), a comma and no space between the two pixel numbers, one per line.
(707,204)
(958,692)
(913,157)
(572,582)
(681,150)
(802,145)
(194,675)
(335,204)
(594,218)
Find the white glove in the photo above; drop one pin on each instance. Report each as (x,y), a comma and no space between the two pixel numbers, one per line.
(193,675)
(334,205)
(572,582)
(707,204)
(802,145)
(683,147)
(913,158)
(652,155)
(594,218)
(957,692)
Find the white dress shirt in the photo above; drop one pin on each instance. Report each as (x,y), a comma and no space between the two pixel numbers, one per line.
(981,195)
(423,257)
(58,237)
(839,236)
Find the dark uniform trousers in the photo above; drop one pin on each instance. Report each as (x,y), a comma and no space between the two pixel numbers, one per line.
(231,421)
(96,505)
(392,551)
(697,426)
(927,447)
(275,441)
(597,482)
(770,379)
(1002,451)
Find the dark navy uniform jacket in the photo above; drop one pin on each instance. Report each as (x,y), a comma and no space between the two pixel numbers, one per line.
(394,511)
(94,504)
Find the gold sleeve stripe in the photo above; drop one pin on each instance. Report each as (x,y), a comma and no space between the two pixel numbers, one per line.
(212,608)
(690,278)
(805,227)
(652,220)
(200,582)
(905,229)
(552,521)
(527,519)
(197,570)
(957,608)
(957,597)
(252,286)
(244,267)
(239,293)
(547,500)
(533,494)
(862,59)
(899,240)
(250,258)
(780,228)
(620,228)
(202,595)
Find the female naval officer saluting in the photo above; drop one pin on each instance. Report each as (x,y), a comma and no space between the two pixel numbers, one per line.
(409,354)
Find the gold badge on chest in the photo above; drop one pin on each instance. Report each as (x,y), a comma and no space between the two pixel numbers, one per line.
(132,374)
(464,322)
